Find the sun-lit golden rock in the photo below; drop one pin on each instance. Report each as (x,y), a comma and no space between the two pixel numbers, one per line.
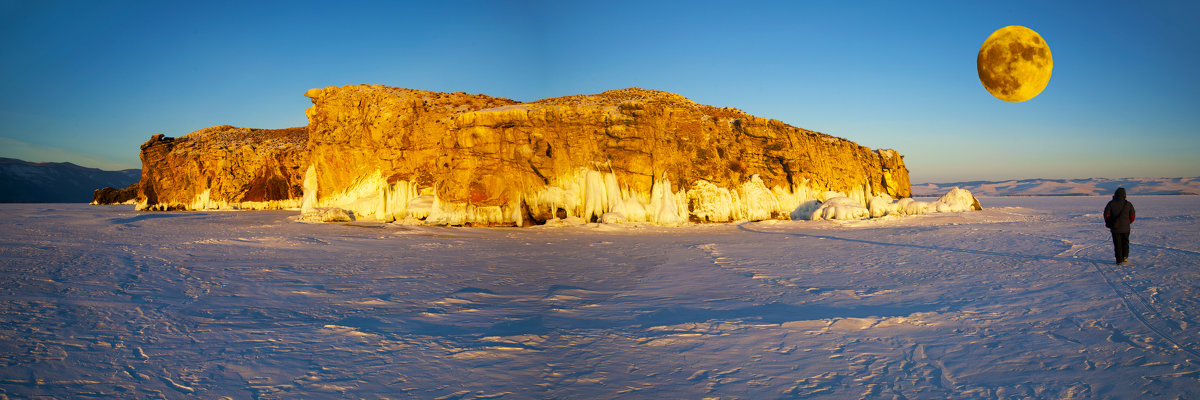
(223,167)
(453,158)
(381,153)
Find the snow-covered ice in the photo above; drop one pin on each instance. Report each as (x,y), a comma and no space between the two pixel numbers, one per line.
(1017,301)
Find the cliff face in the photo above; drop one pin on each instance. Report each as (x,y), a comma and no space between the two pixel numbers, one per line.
(451,158)
(223,167)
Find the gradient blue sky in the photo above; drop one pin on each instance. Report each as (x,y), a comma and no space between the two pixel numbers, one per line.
(88,82)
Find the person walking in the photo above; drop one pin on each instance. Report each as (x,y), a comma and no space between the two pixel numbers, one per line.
(1118,215)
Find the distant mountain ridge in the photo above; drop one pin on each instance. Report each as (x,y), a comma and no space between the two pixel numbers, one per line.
(56,182)
(1067,187)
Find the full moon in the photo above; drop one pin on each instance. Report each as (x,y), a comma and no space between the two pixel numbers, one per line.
(1014,64)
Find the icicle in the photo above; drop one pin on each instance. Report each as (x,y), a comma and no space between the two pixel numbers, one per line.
(663,209)
(310,189)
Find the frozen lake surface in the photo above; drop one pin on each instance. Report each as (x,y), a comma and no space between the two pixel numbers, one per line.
(1020,300)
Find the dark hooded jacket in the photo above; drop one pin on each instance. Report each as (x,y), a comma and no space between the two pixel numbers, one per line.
(1119,213)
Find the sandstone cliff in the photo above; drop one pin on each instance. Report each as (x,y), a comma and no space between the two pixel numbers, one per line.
(641,155)
(223,167)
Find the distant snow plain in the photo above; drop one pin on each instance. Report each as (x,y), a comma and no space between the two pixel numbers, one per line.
(1067,187)
(1020,300)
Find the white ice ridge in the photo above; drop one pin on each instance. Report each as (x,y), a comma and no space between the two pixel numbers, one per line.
(957,200)
(588,194)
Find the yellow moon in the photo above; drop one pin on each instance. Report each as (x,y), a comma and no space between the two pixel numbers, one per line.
(1014,64)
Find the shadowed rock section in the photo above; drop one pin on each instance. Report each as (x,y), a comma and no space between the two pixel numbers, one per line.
(632,154)
(110,195)
(223,167)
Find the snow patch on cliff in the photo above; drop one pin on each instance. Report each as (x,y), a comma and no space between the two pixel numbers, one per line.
(710,202)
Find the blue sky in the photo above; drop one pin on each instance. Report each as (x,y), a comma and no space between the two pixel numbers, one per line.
(88,82)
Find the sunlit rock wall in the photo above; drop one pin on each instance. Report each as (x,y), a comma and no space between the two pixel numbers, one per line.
(451,158)
(223,167)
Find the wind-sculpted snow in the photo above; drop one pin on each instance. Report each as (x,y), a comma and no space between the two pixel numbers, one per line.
(1016,301)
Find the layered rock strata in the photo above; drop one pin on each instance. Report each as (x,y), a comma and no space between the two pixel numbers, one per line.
(386,153)
(223,167)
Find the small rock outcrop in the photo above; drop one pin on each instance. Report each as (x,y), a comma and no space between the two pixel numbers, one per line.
(109,195)
(387,153)
(223,167)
